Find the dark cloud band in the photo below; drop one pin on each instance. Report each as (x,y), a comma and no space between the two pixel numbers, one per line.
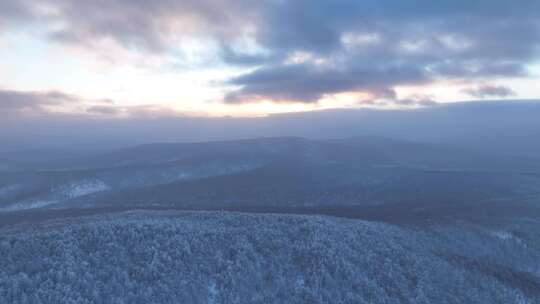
(16,100)
(485,91)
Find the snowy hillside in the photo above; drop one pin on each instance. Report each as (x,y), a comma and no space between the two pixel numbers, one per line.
(200,257)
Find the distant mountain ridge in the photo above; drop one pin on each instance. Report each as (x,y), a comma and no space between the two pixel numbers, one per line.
(281,171)
(371,149)
(505,127)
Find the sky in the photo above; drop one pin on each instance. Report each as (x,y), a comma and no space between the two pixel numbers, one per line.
(122,59)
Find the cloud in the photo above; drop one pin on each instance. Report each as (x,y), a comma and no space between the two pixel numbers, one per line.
(307,83)
(485,91)
(17,100)
(150,26)
(44,103)
(15,12)
(302,50)
(61,105)
(417,100)
(103,110)
(388,99)
(148,111)
(328,47)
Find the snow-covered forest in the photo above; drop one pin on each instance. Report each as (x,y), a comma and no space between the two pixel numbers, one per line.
(218,257)
(272,220)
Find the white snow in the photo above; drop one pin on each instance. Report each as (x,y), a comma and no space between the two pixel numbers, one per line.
(82,188)
(220,257)
(503,235)
(183,176)
(28,205)
(212,293)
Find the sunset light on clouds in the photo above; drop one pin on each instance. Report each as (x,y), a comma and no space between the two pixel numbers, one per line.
(244,58)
